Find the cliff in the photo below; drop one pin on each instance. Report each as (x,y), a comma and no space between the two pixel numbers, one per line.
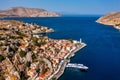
(26,12)
(111,19)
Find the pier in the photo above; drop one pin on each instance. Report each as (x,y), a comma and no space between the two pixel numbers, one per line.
(79,66)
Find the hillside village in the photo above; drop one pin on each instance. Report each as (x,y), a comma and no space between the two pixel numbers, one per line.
(25,55)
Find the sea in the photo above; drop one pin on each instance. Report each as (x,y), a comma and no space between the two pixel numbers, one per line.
(102,53)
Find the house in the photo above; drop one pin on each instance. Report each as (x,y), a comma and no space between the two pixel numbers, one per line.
(32,72)
(47,73)
(42,76)
(22,47)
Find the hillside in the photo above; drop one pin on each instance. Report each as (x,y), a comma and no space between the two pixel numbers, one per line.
(26,12)
(111,19)
(25,54)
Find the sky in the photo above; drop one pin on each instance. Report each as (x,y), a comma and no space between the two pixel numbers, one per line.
(66,6)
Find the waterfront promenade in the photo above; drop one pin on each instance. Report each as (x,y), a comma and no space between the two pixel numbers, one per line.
(64,62)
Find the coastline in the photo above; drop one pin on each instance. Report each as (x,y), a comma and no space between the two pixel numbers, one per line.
(54,53)
(116,27)
(64,62)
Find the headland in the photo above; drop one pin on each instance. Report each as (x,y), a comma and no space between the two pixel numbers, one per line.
(112,19)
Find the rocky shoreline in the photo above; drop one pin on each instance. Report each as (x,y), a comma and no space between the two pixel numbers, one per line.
(111,19)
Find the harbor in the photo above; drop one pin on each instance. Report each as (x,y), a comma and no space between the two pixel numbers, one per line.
(65,61)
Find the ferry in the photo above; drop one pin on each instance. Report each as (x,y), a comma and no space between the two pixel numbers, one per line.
(79,66)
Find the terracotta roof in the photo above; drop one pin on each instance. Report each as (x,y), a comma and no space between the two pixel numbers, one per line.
(42,76)
(47,73)
(32,70)
(22,47)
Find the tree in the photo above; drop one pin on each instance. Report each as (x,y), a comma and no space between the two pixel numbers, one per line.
(22,75)
(34,57)
(22,53)
(1,58)
(28,64)
(71,40)
(53,79)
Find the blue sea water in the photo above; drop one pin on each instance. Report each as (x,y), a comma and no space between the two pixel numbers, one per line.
(102,53)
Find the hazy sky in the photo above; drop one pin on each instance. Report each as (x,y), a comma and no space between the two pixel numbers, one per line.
(67,6)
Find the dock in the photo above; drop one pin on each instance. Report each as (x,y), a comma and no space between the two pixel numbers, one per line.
(79,66)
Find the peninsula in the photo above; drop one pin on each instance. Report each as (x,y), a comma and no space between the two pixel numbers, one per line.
(26,12)
(111,19)
(25,55)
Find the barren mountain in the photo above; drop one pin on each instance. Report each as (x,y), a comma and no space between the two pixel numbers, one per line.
(110,19)
(26,12)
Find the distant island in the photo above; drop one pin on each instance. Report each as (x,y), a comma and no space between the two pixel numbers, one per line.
(26,12)
(25,54)
(111,19)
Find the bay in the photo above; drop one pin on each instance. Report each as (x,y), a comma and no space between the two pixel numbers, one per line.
(102,53)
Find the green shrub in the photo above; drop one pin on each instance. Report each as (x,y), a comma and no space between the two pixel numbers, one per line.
(28,64)
(22,53)
(71,40)
(1,58)
(34,57)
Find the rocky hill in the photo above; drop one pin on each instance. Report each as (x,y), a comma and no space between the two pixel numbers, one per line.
(26,12)
(111,19)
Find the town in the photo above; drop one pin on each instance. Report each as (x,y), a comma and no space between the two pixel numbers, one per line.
(25,55)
